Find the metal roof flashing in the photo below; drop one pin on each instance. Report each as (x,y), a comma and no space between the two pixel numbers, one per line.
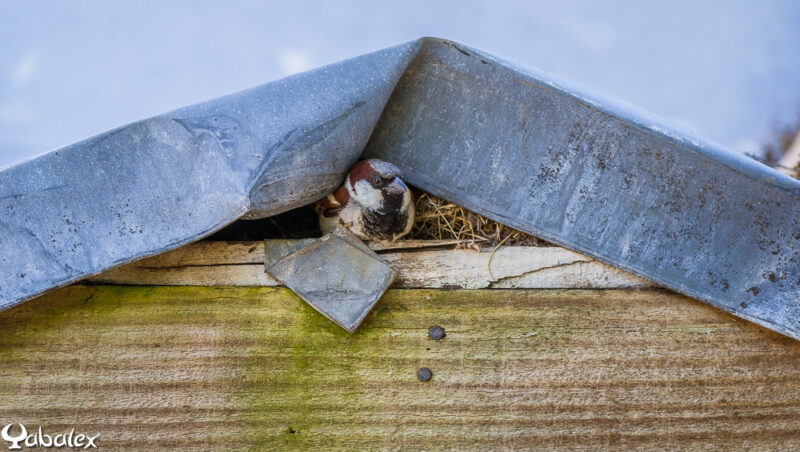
(511,143)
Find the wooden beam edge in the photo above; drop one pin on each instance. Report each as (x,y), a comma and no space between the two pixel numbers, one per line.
(420,265)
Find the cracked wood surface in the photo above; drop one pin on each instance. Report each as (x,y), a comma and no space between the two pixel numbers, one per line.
(421,264)
(245,368)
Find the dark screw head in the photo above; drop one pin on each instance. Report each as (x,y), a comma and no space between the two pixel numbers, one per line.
(424,374)
(436,333)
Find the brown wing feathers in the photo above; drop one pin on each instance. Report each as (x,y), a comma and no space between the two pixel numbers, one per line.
(332,205)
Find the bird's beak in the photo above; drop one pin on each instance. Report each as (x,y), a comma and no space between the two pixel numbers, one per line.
(396,187)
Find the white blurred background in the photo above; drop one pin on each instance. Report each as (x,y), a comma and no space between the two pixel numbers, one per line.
(728,70)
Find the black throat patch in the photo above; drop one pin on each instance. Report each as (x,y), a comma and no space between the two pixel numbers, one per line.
(384,226)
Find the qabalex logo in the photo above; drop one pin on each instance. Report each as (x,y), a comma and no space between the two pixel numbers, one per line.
(39,439)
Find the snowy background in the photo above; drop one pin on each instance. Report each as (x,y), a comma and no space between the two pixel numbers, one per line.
(728,70)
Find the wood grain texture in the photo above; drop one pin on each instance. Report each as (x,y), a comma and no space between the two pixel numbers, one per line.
(199,368)
(421,264)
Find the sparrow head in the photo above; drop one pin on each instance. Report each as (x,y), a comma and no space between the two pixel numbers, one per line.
(377,185)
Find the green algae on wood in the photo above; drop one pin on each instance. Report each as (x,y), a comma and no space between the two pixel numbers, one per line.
(256,368)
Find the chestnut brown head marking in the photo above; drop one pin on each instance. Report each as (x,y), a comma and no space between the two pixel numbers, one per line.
(361,171)
(371,169)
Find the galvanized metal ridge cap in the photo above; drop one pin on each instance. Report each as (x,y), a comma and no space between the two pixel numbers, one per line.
(406,48)
(611,106)
(383,69)
(404,53)
(639,117)
(680,287)
(410,51)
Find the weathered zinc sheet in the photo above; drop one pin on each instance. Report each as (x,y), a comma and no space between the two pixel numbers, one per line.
(505,141)
(154,185)
(598,178)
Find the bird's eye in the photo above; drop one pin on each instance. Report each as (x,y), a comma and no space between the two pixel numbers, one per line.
(375,181)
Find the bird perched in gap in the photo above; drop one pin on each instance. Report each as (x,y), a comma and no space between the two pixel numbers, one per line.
(374,203)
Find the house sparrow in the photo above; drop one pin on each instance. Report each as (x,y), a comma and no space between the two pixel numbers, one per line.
(374,203)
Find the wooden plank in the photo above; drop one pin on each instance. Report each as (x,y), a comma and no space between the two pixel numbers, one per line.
(198,368)
(420,265)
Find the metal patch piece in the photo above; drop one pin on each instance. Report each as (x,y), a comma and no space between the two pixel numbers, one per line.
(277,249)
(338,275)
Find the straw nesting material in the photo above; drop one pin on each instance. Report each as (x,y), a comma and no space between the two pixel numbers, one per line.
(437,219)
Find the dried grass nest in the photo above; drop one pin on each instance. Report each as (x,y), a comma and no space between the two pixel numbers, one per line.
(437,219)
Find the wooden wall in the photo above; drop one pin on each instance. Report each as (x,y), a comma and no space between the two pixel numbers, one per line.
(179,368)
